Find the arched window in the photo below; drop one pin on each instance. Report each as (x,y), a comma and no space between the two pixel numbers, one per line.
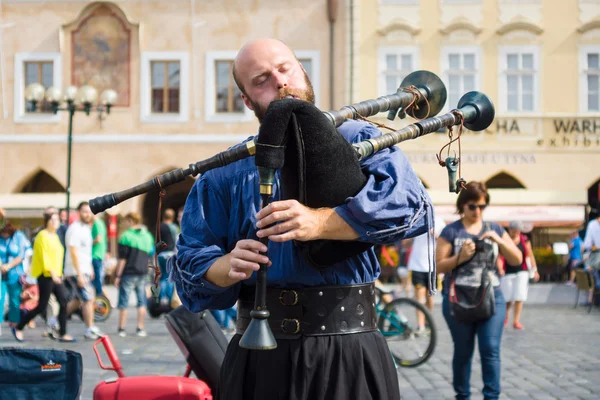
(41,182)
(503,180)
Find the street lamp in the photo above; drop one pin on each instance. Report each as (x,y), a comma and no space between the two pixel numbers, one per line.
(75,99)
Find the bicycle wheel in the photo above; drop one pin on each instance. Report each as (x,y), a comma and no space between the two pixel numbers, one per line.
(102,308)
(397,322)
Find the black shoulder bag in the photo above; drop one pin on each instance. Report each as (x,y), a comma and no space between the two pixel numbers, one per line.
(471,293)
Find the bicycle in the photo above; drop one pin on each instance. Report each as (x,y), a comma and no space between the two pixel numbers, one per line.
(102,309)
(397,321)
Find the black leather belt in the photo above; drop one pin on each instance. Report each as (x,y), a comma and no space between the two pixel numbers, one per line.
(313,311)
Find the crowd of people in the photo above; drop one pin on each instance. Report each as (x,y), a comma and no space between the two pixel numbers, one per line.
(61,269)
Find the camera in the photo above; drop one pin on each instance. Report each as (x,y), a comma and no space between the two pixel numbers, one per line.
(479,245)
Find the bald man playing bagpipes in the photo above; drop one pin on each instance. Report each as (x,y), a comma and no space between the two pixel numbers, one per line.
(319,258)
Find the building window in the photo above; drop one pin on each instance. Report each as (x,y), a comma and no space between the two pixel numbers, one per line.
(223,97)
(164,87)
(39,72)
(311,61)
(228,95)
(519,80)
(590,79)
(307,65)
(593,71)
(394,64)
(461,72)
(42,68)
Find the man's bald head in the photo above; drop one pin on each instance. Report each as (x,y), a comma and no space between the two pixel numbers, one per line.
(250,51)
(267,69)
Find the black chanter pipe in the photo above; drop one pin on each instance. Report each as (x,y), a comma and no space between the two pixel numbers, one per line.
(431,91)
(159,182)
(475,107)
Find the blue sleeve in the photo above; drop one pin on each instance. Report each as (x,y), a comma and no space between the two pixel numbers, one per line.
(448,234)
(24,244)
(393,204)
(498,229)
(202,241)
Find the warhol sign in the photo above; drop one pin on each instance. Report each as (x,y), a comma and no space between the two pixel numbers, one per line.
(559,133)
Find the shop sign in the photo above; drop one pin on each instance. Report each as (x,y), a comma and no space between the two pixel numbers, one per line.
(477,158)
(581,133)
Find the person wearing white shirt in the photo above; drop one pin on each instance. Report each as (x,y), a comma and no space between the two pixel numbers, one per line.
(591,243)
(418,264)
(79,272)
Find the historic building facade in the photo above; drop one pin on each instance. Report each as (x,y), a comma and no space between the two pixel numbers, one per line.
(538,61)
(170,64)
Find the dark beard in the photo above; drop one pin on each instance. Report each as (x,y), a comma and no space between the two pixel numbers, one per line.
(306,95)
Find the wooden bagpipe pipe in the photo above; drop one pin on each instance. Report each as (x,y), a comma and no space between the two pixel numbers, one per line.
(318,167)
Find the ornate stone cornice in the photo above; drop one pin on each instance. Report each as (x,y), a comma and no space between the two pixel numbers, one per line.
(399,25)
(588,26)
(519,24)
(460,23)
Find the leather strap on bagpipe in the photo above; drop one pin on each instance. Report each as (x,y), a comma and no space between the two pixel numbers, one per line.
(319,168)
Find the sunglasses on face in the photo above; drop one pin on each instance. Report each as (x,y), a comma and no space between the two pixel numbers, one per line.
(473,207)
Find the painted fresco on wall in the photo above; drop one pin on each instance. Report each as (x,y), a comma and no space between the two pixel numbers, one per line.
(101,54)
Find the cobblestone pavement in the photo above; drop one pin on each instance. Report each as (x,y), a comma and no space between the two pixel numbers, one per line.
(557,356)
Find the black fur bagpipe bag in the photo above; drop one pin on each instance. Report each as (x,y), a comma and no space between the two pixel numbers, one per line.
(319,168)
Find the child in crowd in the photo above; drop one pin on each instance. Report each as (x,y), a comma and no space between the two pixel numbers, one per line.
(29,297)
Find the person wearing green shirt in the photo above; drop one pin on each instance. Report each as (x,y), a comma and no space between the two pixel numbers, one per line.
(99,248)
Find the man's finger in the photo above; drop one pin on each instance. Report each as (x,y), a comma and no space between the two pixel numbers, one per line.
(274,206)
(253,245)
(242,265)
(286,237)
(275,217)
(237,275)
(277,229)
(247,255)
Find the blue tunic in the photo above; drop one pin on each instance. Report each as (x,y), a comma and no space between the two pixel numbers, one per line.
(221,210)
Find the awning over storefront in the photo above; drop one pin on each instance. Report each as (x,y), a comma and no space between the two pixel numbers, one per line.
(536,216)
(32,205)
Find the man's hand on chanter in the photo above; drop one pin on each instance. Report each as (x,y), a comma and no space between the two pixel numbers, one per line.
(295,222)
(245,259)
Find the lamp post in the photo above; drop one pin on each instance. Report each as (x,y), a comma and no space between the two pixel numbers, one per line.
(74,100)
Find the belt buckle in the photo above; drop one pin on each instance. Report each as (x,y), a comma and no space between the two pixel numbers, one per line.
(284,323)
(282,298)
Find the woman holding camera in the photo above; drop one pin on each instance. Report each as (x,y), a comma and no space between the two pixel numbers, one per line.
(456,248)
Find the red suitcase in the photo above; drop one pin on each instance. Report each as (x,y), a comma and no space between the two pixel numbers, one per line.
(152,387)
(146,387)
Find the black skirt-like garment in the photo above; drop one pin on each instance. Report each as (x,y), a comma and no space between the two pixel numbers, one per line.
(338,367)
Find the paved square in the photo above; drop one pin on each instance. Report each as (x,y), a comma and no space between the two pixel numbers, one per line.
(556,357)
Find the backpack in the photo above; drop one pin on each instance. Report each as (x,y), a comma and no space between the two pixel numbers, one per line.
(471,293)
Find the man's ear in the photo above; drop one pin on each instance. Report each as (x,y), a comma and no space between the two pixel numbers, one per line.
(247,101)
